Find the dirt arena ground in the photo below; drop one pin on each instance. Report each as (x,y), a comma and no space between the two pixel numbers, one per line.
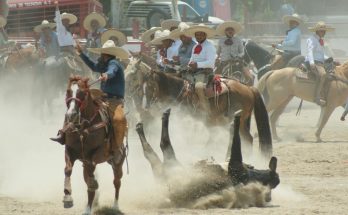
(313,175)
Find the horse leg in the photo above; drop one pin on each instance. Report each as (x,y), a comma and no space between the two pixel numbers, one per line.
(118,173)
(326,115)
(245,132)
(92,185)
(149,153)
(166,146)
(69,163)
(320,117)
(275,115)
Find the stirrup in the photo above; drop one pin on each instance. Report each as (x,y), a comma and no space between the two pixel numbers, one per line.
(59,138)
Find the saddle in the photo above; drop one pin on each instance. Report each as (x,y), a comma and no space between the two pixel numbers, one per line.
(216,87)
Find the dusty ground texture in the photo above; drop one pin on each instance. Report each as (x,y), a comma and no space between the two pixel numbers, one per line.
(314,176)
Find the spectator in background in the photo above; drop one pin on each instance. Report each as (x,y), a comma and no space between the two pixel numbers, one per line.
(287,9)
(3,35)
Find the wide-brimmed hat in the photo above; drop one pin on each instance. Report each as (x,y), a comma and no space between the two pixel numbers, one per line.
(94,16)
(220,30)
(71,17)
(175,34)
(321,26)
(170,23)
(44,24)
(146,36)
(294,17)
(160,36)
(200,28)
(3,21)
(110,48)
(121,37)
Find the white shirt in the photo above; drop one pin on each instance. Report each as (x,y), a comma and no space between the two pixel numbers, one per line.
(315,51)
(206,58)
(65,38)
(159,58)
(173,50)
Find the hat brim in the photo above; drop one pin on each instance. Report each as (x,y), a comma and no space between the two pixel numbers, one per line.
(122,39)
(146,37)
(38,29)
(158,41)
(220,30)
(168,24)
(71,17)
(114,51)
(94,16)
(288,18)
(3,22)
(192,30)
(326,28)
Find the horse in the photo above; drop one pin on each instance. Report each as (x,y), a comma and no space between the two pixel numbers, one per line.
(88,139)
(162,87)
(212,177)
(280,86)
(18,59)
(234,70)
(262,58)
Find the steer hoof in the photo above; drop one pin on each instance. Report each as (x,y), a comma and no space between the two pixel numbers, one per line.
(68,202)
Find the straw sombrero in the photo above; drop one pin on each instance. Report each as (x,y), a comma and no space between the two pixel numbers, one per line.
(71,17)
(110,48)
(121,37)
(294,17)
(220,30)
(94,16)
(170,23)
(321,26)
(3,21)
(160,36)
(175,34)
(44,24)
(200,28)
(146,37)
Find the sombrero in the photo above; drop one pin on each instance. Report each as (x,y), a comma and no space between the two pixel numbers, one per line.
(110,48)
(220,30)
(160,36)
(3,21)
(146,37)
(175,34)
(44,24)
(321,26)
(121,37)
(294,17)
(200,28)
(170,23)
(94,16)
(71,17)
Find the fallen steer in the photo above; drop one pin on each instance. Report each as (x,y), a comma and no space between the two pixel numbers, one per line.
(208,184)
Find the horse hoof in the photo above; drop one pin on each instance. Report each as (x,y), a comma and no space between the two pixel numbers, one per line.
(68,204)
(319,140)
(68,201)
(278,139)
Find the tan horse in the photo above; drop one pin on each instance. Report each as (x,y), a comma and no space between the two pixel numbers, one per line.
(280,86)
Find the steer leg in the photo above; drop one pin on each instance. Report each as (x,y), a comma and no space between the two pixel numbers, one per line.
(149,153)
(169,157)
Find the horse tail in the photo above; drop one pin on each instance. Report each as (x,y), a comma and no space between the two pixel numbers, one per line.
(262,122)
(262,87)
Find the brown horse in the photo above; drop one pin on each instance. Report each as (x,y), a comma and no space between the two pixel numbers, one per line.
(280,86)
(88,139)
(162,87)
(212,178)
(21,59)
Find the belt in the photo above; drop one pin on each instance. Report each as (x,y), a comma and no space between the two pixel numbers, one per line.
(114,97)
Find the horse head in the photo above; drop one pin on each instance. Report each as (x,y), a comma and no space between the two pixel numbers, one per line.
(76,98)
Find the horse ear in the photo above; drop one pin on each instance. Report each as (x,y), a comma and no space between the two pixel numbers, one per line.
(273,164)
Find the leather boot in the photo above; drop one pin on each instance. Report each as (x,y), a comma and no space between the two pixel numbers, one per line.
(60,138)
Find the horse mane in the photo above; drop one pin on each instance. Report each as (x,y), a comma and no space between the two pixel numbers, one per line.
(170,84)
(257,54)
(82,82)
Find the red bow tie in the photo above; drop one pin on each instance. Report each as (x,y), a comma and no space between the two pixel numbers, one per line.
(321,41)
(198,49)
